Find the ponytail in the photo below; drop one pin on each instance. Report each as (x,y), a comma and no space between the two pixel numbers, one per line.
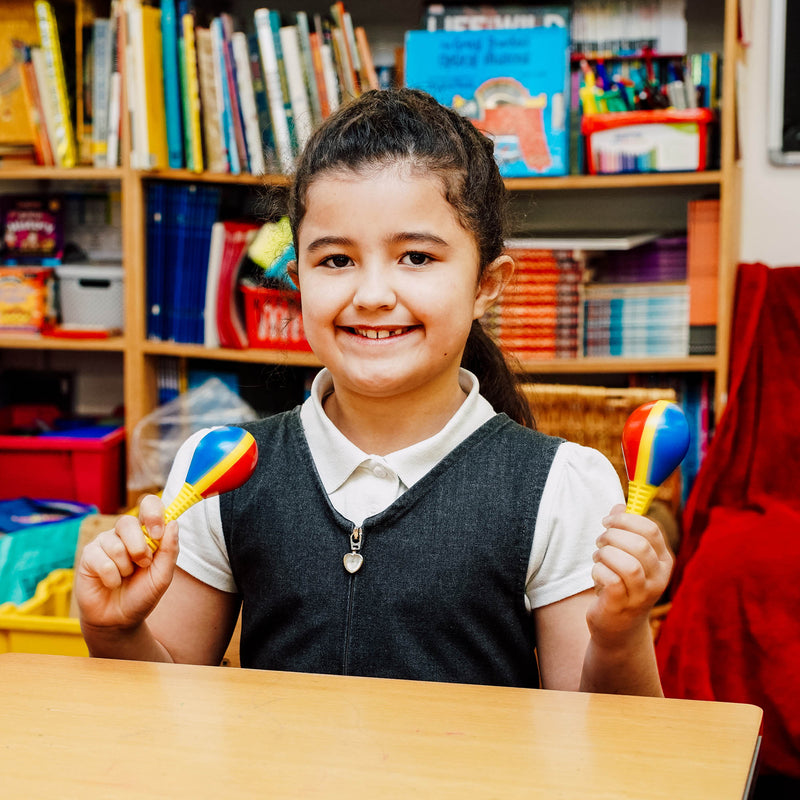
(499,385)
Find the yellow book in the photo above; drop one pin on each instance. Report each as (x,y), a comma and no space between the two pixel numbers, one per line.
(192,95)
(17,22)
(64,148)
(157,154)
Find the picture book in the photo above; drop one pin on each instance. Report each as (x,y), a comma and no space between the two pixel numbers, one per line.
(512,84)
(17,23)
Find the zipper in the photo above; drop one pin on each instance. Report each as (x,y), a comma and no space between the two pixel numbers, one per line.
(352,563)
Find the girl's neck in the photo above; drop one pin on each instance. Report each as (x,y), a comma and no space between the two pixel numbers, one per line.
(384,425)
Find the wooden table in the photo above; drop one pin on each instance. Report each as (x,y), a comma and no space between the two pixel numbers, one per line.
(80,727)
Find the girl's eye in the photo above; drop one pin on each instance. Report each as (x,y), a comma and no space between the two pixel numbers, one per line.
(416,259)
(337,261)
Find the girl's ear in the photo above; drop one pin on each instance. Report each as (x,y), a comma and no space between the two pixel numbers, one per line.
(291,271)
(494,279)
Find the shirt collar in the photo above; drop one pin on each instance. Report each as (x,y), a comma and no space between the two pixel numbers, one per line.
(336,457)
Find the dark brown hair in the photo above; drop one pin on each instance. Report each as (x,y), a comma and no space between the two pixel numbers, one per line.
(411,126)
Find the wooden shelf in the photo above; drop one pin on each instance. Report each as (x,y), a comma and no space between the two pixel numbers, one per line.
(290,358)
(33,341)
(587,366)
(61,174)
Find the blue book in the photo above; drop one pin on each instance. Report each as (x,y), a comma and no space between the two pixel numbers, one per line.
(512,84)
(219,48)
(155,247)
(172,84)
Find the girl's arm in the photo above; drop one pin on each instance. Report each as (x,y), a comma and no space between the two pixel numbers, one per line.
(600,640)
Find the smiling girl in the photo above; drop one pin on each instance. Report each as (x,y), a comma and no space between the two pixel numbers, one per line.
(406,520)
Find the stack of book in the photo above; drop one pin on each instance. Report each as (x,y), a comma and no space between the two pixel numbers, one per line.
(538,314)
(663,259)
(636,320)
(223,99)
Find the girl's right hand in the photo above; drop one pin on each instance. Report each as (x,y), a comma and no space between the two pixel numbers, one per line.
(119,580)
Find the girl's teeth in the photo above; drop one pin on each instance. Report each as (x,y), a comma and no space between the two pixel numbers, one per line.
(373,334)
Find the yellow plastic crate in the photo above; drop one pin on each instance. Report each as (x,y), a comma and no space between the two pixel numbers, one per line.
(42,624)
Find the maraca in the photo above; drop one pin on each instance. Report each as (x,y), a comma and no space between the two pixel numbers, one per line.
(223,460)
(654,441)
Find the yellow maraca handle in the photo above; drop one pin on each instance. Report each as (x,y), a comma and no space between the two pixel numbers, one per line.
(186,498)
(640,495)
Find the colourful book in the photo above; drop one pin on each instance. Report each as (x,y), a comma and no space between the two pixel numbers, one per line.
(17,23)
(512,84)
(34,106)
(262,104)
(63,141)
(441,17)
(224,107)
(191,97)
(247,98)
(296,83)
(214,151)
(233,91)
(309,72)
(170,34)
(272,79)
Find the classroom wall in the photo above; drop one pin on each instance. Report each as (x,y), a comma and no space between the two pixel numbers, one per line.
(770,219)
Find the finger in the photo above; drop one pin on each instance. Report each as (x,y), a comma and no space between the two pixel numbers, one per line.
(130,532)
(96,563)
(609,584)
(151,517)
(627,568)
(167,553)
(641,526)
(635,544)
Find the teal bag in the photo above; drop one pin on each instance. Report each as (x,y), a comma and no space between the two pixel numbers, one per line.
(31,552)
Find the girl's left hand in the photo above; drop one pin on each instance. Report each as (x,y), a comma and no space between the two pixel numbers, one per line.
(631,571)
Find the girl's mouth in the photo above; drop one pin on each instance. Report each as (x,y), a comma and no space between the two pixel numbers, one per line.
(378,333)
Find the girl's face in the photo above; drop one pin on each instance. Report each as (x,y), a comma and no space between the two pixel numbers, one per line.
(389,282)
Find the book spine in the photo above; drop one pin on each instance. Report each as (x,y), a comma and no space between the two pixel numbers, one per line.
(369,77)
(332,85)
(214,147)
(39,64)
(262,104)
(233,91)
(319,74)
(298,97)
(172,84)
(151,48)
(223,98)
(64,142)
(33,104)
(192,97)
(272,80)
(101,88)
(255,150)
(309,72)
(115,88)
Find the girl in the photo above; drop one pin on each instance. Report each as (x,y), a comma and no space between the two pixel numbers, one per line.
(406,520)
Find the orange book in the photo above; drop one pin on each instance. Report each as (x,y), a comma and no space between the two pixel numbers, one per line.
(33,102)
(702,260)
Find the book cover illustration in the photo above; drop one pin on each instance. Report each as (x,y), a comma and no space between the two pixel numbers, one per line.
(512,84)
(437,17)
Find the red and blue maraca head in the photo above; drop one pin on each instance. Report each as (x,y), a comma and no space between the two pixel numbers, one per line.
(654,441)
(223,459)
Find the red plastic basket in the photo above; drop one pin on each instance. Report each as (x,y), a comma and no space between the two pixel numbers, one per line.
(273,319)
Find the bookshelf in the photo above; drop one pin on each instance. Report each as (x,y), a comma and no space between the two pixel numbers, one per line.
(139,356)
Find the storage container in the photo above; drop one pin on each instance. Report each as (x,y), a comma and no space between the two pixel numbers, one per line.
(647,141)
(84,465)
(91,295)
(273,319)
(42,624)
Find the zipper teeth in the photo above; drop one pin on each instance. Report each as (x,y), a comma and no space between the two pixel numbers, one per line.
(359,534)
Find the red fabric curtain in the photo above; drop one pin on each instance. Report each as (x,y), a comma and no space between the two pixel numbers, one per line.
(733,632)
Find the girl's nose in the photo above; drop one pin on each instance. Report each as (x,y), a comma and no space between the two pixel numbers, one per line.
(374,288)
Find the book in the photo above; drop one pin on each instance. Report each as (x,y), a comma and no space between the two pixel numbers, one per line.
(102,54)
(272,79)
(512,84)
(296,82)
(309,72)
(214,151)
(224,103)
(63,140)
(262,104)
(247,101)
(118,38)
(229,241)
(171,29)
(233,91)
(46,99)
(17,24)
(35,108)
(319,75)
(193,138)
(702,260)
(368,75)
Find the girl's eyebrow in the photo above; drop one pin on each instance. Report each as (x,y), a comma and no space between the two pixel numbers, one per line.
(416,236)
(324,242)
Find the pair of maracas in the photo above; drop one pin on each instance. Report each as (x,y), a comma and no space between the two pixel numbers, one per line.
(654,441)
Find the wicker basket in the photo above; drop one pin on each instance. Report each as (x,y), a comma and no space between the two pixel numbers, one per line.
(595,416)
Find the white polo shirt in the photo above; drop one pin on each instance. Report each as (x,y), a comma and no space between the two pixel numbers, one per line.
(581,488)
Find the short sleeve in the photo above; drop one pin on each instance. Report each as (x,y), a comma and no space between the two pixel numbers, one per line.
(580,490)
(203,553)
